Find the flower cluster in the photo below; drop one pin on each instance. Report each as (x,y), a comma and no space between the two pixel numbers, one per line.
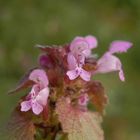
(61,86)
(76,53)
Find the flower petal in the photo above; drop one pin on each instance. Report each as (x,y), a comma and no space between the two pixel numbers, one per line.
(121,75)
(35,90)
(119,46)
(80,48)
(78,45)
(72,64)
(39,76)
(25,106)
(109,63)
(85,75)
(92,41)
(75,41)
(42,96)
(73,74)
(87,53)
(37,108)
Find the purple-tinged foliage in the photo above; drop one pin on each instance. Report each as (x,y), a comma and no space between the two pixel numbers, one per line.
(61,89)
(45,61)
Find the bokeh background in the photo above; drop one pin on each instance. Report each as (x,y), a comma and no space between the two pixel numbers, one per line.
(25,23)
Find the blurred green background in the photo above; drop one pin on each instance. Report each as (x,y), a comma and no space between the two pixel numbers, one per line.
(24,23)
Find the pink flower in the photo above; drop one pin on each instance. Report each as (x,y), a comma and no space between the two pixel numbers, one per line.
(76,70)
(83,100)
(80,49)
(108,62)
(37,98)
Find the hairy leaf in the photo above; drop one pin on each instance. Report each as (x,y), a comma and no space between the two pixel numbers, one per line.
(43,47)
(78,124)
(19,127)
(55,53)
(23,83)
(96,91)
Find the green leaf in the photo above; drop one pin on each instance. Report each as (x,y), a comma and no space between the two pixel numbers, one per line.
(80,125)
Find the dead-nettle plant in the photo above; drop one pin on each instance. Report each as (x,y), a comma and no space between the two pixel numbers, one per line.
(61,90)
